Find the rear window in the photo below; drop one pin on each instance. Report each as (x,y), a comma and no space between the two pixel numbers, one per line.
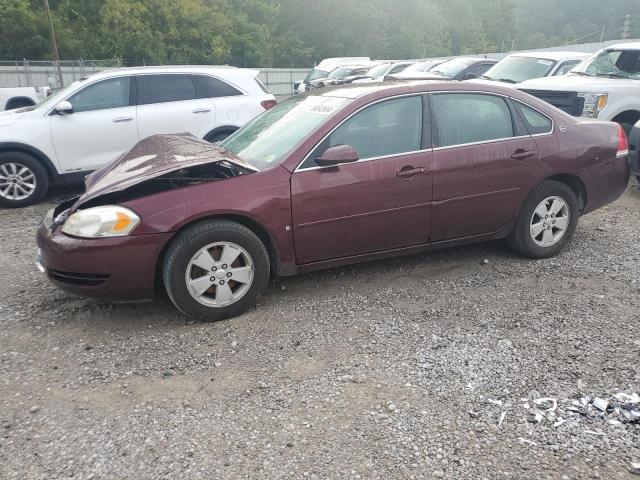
(165,88)
(262,86)
(211,87)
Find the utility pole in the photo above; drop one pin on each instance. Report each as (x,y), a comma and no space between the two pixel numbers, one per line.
(56,57)
(626,29)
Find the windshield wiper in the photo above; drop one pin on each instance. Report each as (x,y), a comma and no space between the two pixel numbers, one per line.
(486,77)
(506,80)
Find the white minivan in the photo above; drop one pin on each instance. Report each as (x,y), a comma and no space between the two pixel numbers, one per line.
(97,119)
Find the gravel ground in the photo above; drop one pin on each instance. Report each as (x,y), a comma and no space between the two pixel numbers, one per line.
(393,369)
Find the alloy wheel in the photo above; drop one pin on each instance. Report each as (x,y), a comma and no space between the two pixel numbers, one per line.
(219,274)
(17,181)
(549,221)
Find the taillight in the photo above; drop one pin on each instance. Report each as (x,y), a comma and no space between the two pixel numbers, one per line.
(623,143)
(268,104)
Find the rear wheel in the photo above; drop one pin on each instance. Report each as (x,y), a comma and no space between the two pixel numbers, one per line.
(23,180)
(215,270)
(546,222)
(218,136)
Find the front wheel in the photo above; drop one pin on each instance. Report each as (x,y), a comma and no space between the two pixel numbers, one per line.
(215,270)
(546,222)
(23,180)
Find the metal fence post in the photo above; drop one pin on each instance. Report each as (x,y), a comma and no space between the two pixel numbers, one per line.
(27,72)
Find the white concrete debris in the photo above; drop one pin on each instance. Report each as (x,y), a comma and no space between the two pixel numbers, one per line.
(620,408)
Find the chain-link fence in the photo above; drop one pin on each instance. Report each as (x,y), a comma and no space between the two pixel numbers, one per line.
(39,73)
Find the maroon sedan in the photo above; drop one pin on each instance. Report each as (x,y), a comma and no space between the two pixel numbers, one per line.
(334,177)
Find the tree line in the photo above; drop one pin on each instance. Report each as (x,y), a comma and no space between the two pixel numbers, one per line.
(297,33)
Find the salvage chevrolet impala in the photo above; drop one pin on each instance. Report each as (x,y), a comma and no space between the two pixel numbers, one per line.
(330,178)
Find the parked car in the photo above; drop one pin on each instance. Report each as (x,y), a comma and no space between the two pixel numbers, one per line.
(325,67)
(634,154)
(519,67)
(605,86)
(423,66)
(455,69)
(20,97)
(345,175)
(379,72)
(95,120)
(340,76)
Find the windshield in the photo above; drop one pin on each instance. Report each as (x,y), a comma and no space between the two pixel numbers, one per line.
(611,63)
(451,68)
(341,72)
(315,74)
(378,71)
(518,69)
(269,138)
(56,97)
(420,67)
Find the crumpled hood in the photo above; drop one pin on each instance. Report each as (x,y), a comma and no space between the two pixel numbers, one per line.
(153,157)
(578,83)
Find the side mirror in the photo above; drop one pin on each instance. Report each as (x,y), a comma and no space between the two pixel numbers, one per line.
(470,76)
(336,155)
(64,108)
(296,84)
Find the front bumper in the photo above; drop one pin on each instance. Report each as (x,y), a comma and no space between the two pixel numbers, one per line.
(122,268)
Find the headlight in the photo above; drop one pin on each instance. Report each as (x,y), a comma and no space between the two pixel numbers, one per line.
(593,103)
(107,221)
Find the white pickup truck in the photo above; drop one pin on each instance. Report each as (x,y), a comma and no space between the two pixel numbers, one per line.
(604,86)
(18,97)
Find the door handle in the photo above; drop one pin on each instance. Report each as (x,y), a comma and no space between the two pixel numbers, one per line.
(202,110)
(122,119)
(409,172)
(522,154)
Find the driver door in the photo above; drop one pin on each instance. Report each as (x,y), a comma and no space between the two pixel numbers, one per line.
(103,125)
(382,201)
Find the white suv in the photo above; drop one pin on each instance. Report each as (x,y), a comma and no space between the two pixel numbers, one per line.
(605,86)
(97,119)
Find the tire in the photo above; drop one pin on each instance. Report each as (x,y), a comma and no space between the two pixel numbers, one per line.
(215,237)
(530,220)
(27,174)
(219,136)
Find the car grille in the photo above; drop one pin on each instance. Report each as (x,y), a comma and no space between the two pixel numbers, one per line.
(79,279)
(566,101)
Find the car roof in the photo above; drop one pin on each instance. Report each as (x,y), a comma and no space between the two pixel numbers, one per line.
(625,46)
(553,55)
(356,91)
(219,70)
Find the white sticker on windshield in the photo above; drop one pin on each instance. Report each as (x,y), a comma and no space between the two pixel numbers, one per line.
(323,105)
(326,109)
(545,62)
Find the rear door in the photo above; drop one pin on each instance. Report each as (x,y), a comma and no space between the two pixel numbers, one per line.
(484,160)
(169,103)
(103,125)
(381,202)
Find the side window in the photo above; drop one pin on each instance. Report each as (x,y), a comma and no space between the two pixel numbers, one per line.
(165,88)
(481,68)
(469,118)
(565,67)
(386,128)
(111,93)
(210,87)
(397,68)
(536,121)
